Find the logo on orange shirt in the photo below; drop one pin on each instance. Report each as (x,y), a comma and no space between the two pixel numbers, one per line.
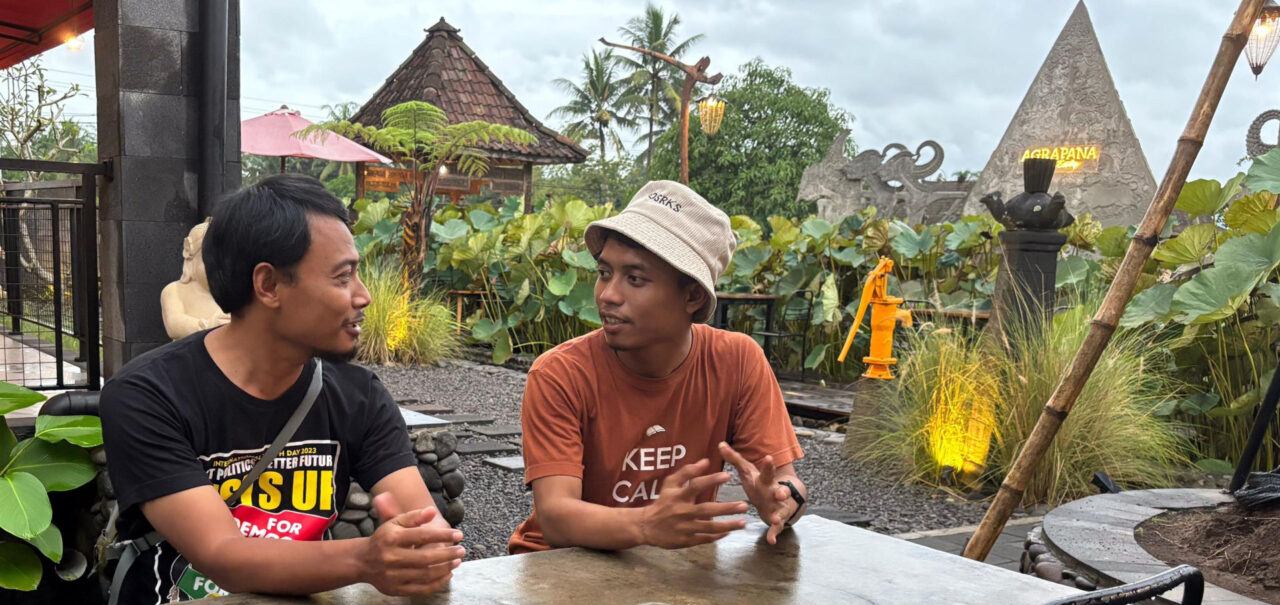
(647,459)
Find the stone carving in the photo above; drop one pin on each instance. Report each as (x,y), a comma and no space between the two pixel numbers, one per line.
(1072,112)
(1034,208)
(1253,141)
(892,180)
(186,304)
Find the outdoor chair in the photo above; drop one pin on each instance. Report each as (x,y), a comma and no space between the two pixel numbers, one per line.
(1139,591)
(798,309)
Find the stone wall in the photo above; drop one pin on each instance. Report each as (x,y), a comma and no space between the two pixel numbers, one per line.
(438,464)
(147,57)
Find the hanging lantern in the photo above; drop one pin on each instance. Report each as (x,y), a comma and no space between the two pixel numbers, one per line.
(710,113)
(1263,37)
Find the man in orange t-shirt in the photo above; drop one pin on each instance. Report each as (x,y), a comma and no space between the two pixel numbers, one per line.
(627,429)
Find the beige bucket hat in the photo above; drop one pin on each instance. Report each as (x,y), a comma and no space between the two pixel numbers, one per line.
(681,227)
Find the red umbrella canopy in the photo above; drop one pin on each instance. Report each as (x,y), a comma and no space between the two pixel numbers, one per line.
(30,27)
(272,134)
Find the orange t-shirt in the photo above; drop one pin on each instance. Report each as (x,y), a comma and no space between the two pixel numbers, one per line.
(586,415)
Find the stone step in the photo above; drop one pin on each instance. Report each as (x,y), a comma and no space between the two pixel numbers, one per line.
(510,463)
(485,447)
(431,409)
(497,430)
(466,418)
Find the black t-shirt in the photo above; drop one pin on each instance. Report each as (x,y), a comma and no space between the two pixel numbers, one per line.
(173,421)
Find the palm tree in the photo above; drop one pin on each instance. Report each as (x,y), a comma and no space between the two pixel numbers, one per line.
(338,113)
(593,105)
(419,133)
(651,91)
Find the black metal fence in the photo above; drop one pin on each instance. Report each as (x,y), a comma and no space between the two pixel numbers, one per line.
(49,309)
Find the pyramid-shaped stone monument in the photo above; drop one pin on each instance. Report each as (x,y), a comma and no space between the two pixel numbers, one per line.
(1072,113)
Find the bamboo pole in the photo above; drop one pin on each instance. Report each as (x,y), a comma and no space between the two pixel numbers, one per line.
(1104,322)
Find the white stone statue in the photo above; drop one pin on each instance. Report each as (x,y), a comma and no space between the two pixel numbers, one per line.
(186,304)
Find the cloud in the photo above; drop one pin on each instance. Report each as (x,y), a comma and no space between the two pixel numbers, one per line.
(908,70)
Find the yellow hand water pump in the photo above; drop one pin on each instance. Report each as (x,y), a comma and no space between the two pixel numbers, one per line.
(885,315)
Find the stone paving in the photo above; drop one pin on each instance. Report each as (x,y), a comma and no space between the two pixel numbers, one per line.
(1006,553)
(1097,533)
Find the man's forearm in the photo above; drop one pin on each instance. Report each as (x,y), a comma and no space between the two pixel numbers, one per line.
(572,522)
(285,566)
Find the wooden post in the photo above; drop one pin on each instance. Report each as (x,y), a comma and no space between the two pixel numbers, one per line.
(1104,323)
(528,187)
(686,93)
(359,180)
(693,75)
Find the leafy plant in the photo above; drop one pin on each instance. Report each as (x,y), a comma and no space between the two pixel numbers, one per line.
(1114,427)
(536,277)
(421,135)
(951,385)
(400,326)
(53,460)
(533,271)
(773,129)
(937,421)
(1211,295)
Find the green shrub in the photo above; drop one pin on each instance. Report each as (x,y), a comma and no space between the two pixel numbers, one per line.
(53,460)
(938,416)
(1113,428)
(399,325)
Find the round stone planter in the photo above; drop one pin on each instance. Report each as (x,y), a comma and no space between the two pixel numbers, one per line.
(1093,538)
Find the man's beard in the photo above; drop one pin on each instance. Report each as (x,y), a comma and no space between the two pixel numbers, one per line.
(338,356)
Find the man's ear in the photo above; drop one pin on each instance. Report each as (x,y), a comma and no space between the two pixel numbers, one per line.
(695,298)
(266,284)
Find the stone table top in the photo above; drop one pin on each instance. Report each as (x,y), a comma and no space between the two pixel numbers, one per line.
(822,561)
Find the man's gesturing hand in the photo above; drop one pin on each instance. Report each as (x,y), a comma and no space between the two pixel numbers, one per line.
(771,500)
(406,556)
(674,520)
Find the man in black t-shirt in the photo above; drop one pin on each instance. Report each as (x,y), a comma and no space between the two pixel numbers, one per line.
(185,423)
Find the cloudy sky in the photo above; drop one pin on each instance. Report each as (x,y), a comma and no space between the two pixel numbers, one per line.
(952,71)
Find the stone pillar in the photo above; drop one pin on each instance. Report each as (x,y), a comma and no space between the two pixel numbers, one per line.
(1025,286)
(148,66)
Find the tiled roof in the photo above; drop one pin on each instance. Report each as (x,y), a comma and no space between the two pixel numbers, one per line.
(445,72)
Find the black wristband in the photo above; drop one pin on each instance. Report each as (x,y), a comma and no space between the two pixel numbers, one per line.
(795,495)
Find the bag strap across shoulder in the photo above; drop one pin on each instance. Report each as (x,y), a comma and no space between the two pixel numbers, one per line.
(128,552)
(286,433)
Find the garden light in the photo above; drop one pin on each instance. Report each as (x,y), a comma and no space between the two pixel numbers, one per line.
(884,317)
(1263,37)
(710,113)
(961,424)
(75,43)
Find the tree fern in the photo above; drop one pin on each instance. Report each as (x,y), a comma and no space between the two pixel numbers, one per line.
(419,134)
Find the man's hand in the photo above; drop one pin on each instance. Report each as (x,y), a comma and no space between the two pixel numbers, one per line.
(771,500)
(675,521)
(407,557)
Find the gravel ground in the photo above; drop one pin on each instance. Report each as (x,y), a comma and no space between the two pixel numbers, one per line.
(496,501)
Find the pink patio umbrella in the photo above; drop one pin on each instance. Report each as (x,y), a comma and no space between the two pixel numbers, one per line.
(271,134)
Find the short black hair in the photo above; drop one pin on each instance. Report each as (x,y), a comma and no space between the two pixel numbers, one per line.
(262,223)
(609,234)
